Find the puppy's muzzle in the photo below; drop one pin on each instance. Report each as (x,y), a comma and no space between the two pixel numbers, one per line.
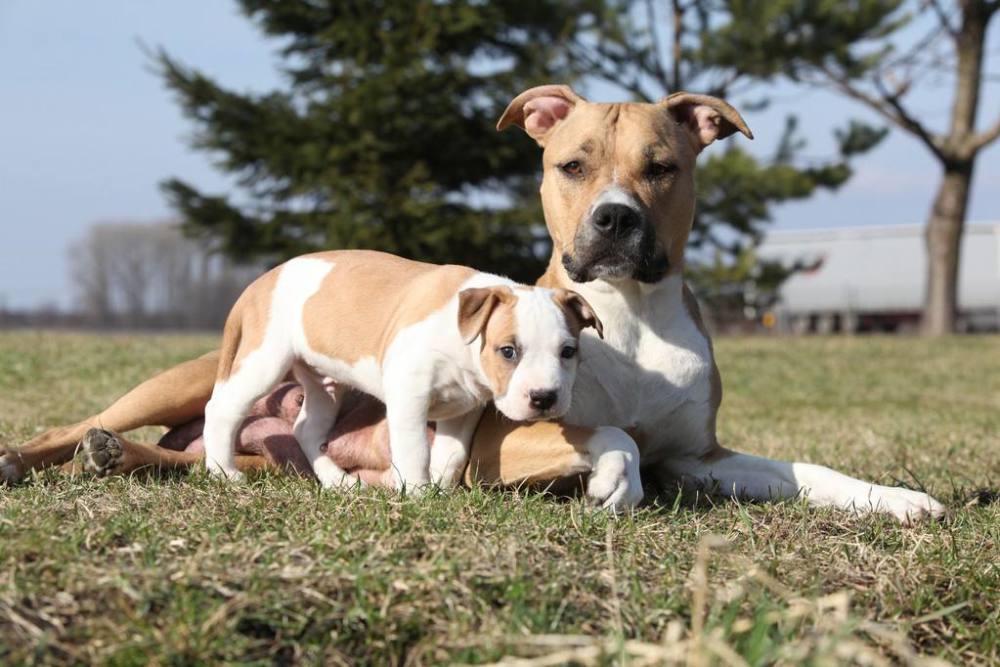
(542,399)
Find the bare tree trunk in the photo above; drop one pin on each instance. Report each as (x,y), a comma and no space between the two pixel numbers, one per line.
(944,238)
(945,227)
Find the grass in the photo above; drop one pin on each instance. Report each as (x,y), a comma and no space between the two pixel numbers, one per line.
(181,570)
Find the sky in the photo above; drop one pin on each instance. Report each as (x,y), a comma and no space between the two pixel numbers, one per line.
(87,131)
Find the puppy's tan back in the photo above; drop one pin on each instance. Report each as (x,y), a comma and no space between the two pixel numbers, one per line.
(368,296)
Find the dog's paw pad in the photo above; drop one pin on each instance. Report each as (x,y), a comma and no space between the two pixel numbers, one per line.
(102,452)
(10,469)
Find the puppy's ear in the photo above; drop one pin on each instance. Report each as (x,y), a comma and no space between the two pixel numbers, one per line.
(538,110)
(475,305)
(578,308)
(707,118)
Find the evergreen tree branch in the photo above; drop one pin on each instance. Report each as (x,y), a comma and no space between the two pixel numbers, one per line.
(610,67)
(658,47)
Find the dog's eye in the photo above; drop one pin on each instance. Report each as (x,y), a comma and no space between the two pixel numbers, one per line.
(572,168)
(657,170)
(568,352)
(508,352)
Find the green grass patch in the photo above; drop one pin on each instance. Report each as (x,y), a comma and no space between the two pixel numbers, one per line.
(184,570)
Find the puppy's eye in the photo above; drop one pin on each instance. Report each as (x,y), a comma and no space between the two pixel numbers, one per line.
(657,170)
(508,352)
(568,352)
(573,169)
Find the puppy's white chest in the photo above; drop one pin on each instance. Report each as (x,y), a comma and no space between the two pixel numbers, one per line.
(456,397)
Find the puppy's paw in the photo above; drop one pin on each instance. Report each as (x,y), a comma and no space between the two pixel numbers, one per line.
(614,482)
(228,474)
(331,476)
(446,471)
(103,454)
(414,487)
(231,476)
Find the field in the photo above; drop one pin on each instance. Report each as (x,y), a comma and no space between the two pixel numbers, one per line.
(182,570)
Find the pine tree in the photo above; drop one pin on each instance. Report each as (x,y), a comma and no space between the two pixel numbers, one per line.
(384,136)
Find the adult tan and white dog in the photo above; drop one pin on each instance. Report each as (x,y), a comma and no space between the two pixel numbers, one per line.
(433,342)
(618,195)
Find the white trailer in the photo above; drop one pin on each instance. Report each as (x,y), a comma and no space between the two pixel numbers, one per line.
(873,278)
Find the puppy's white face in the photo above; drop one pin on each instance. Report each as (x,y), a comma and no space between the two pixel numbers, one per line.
(529,348)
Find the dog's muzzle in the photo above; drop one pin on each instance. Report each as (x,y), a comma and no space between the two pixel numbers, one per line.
(616,241)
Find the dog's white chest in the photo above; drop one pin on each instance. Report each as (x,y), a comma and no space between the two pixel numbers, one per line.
(652,373)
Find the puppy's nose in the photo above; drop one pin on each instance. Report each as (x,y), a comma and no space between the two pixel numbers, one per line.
(542,399)
(615,219)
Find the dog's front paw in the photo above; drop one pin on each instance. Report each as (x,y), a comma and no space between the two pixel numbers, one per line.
(905,505)
(614,482)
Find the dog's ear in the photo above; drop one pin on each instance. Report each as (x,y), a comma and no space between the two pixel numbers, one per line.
(475,305)
(578,308)
(538,110)
(707,118)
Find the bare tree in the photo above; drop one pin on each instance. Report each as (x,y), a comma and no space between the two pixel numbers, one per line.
(89,272)
(150,275)
(954,45)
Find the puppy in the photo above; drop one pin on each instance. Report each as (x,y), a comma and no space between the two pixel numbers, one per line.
(433,342)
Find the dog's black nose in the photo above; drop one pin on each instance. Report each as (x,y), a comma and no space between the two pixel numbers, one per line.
(615,219)
(542,399)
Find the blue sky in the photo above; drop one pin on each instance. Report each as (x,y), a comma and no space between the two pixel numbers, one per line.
(87,131)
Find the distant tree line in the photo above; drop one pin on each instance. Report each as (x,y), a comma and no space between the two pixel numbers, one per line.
(128,275)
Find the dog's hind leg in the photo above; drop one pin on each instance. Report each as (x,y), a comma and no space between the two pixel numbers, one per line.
(104,453)
(170,398)
(313,425)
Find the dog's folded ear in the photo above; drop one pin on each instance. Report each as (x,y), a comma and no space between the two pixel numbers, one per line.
(538,110)
(578,308)
(475,305)
(707,118)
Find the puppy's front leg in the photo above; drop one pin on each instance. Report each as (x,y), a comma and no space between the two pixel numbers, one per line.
(406,413)
(450,451)
(312,427)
